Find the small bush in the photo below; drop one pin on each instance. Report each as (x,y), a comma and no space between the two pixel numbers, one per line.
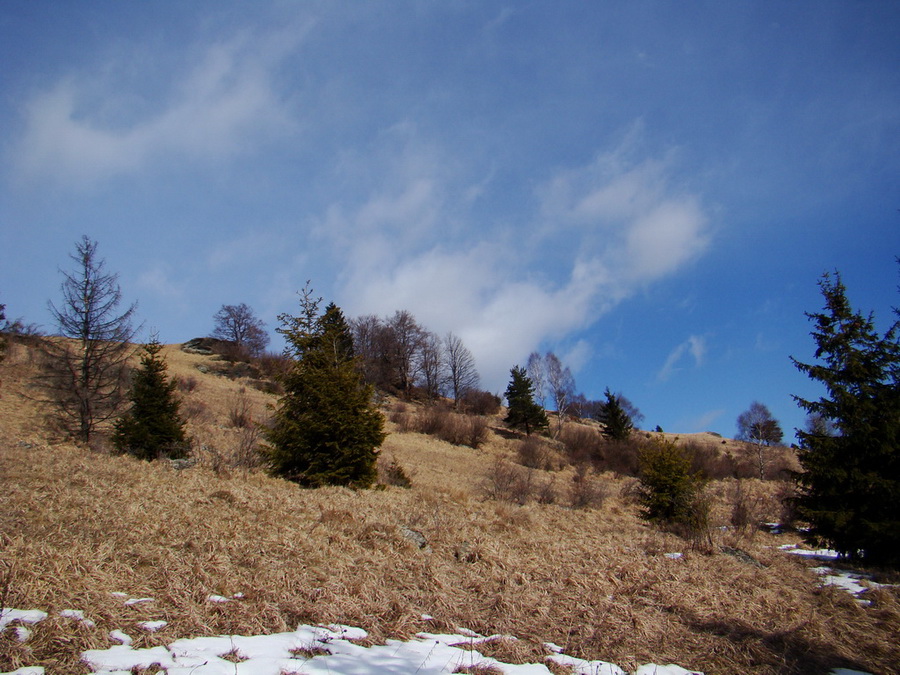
(186,384)
(391,473)
(746,509)
(440,422)
(583,444)
(478,402)
(536,454)
(508,482)
(585,492)
(620,457)
(240,410)
(709,461)
(671,493)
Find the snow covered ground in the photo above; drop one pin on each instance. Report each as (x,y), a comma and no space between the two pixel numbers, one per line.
(334,649)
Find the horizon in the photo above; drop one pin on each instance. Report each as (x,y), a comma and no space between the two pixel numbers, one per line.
(650,191)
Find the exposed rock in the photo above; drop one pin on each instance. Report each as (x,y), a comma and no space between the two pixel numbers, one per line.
(207,346)
(415,537)
(743,556)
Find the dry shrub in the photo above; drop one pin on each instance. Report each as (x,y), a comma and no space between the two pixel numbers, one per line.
(747,509)
(455,428)
(240,410)
(391,473)
(245,454)
(583,444)
(273,365)
(186,384)
(402,418)
(535,453)
(195,410)
(709,461)
(509,482)
(786,495)
(478,402)
(620,457)
(585,492)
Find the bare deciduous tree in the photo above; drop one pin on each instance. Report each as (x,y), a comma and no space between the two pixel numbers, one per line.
(462,377)
(87,373)
(406,339)
(537,373)
(238,324)
(757,426)
(431,365)
(561,384)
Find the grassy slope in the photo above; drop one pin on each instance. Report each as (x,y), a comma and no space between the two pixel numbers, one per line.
(77,525)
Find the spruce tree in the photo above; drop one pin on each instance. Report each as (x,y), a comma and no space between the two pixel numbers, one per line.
(326,430)
(617,424)
(851,461)
(523,412)
(152,427)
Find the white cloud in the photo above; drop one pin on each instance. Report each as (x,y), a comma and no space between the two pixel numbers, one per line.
(78,131)
(694,347)
(417,243)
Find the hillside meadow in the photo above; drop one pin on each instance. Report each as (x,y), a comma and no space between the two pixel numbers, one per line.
(80,525)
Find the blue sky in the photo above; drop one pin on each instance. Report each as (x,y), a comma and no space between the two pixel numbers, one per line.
(649,189)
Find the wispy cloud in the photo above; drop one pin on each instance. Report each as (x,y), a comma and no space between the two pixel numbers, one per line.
(417,243)
(225,101)
(694,347)
(704,421)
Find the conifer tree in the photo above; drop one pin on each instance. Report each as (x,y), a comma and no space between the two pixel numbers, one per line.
(326,430)
(523,412)
(617,424)
(851,460)
(87,374)
(152,427)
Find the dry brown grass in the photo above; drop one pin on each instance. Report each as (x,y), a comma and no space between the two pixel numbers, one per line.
(78,525)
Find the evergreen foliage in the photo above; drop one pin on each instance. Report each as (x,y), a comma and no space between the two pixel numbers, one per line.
(849,486)
(326,429)
(523,412)
(153,426)
(617,424)
(669,488)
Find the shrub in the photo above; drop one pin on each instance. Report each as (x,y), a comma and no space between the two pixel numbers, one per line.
(535,454)
(391,473)
(440,422)
(508,482)
(620,457)
(479,402)
(585,492)
(186,384)
(583,444)
(240,408)
(670,492)
(746,509)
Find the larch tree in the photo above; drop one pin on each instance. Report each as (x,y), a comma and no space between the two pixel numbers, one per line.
(522,411)
(851,457)
(87,371)
(326,429)
(152,427)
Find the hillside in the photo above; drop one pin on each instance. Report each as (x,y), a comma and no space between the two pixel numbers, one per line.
(80,525)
